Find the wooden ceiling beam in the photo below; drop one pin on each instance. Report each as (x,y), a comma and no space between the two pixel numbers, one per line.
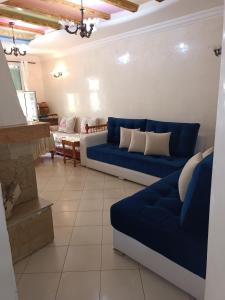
(18,35)
(92,13)
(123,4)
(22,28)
(26,5)
(28,19)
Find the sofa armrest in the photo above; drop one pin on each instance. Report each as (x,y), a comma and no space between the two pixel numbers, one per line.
(89,140)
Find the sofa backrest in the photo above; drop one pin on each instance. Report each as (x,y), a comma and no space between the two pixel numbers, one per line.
(183,138)
(195,210)
(114,125)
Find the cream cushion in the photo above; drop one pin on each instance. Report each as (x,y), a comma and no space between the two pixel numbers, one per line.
(208,152)
(157,143)
(89,122)
(125,137)
(67,124)
(186,174)
(138,140)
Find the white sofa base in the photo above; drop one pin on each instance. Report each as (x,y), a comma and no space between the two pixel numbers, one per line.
(120,172)
(101,138)
(179,276)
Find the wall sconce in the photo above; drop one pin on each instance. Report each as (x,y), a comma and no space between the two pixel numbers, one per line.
(218,51)
(57,74)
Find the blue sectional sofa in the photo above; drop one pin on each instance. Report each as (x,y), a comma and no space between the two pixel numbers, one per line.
(102,150)
(169,236)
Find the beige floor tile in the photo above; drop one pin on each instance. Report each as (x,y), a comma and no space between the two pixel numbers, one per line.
(50,196)
(66,206)
(121,285)
(83,258)
(94,185)
(113,260)
(76,179)
(106,218)
(156,288)
(44,173)
(54,187)
(111,178)
(94,179)
(117,194)
(20,266)
(79,286)
(48,259)
(70,195)
(92,194)
(86,235)
(62,236)
(38,286)
(89,218)
(91,205)
(57,181)
(107,235)
(115,184)
(108,203)
(94,173)
(64,218)
(76,186)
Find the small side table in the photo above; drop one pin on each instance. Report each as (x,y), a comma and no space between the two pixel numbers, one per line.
(73,145)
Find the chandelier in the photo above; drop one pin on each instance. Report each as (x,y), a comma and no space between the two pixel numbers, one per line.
(81,27)
(14,49)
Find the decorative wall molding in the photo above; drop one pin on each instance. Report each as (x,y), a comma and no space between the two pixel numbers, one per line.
(162,26)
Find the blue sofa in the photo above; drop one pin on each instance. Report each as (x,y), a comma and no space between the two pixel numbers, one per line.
(107,152)
(177,231)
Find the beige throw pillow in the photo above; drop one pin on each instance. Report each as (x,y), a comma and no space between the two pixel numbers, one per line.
(137,143)
(125,137)
(186,174)
(207,152)
(67,124)
(157,143)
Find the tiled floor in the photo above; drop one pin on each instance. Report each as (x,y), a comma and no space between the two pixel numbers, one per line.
(80,264)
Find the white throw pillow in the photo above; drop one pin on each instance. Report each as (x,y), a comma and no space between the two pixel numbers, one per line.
(186,174)
(138,140)
(67,124)
(207,152)
(85,121)
(157,143)
(125,137)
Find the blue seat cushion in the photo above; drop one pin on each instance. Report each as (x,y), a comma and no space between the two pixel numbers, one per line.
(159,166)
(152,217)
(114,125)
(195,210)
(183,138)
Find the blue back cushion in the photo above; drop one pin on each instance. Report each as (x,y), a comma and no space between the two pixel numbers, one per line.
(183,138)
(114,125)
(195,210)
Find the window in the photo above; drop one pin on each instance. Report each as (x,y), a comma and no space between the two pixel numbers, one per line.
(16,76)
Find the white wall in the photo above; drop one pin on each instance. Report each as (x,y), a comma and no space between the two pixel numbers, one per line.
(215,282)
(159,82)
(10,110)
